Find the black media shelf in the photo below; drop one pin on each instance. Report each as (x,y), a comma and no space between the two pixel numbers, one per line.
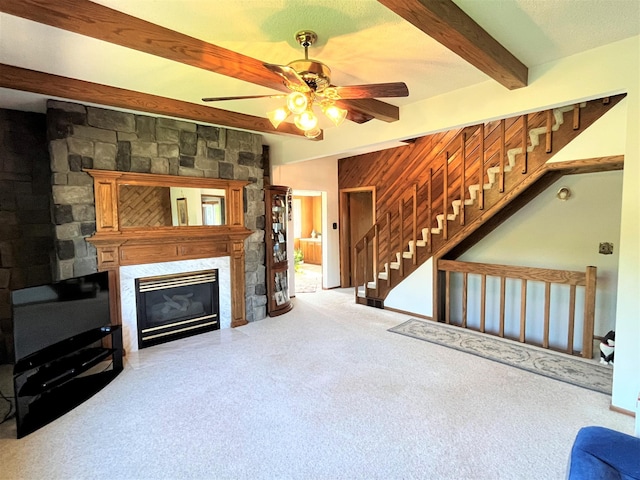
(58,378)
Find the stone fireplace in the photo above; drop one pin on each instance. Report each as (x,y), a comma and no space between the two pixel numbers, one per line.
(83,138)
(129,305)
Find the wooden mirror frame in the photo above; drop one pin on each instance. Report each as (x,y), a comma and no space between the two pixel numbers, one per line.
(134,246)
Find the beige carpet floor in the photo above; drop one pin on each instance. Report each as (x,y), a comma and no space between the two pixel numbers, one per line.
(308,278)
(322,392)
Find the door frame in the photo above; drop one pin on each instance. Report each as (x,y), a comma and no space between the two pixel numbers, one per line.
(345,229)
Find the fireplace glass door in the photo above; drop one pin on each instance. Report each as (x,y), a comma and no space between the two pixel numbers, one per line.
(176,306)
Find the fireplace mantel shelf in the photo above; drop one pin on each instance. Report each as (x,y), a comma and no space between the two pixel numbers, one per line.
(166,244)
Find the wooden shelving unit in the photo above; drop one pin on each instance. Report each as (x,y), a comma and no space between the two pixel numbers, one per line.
(277,257)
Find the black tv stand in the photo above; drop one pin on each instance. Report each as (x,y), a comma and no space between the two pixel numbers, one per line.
(52,381)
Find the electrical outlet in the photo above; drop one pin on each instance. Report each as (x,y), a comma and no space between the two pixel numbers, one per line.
(606,248)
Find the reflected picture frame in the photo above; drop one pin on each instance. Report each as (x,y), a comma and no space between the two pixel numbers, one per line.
(183,213)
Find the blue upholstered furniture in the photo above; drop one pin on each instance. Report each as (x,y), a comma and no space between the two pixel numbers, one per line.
(602,454)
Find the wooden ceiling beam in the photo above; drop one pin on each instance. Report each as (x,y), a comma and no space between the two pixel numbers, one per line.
(446,23)
(17,78)
(97,21)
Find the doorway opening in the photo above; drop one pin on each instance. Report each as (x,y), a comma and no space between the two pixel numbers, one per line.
(308,241)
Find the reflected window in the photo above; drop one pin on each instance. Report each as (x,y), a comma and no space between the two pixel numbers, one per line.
(212,210)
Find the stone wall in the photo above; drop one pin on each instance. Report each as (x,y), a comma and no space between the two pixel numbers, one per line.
(26,231)
(88,137)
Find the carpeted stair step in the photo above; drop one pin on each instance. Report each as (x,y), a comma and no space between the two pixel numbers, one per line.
(395,265)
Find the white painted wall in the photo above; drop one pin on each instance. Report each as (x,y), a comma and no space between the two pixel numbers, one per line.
(606,70)
(414,295)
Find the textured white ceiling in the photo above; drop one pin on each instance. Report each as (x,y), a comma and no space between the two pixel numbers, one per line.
(361,41)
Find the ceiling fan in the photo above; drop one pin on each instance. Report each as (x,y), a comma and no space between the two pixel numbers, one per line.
(310,84)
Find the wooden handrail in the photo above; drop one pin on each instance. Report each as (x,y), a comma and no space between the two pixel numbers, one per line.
(547,276)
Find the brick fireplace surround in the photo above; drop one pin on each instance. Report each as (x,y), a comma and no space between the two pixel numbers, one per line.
(80,137)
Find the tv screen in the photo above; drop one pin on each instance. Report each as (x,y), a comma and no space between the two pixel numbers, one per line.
(48,314)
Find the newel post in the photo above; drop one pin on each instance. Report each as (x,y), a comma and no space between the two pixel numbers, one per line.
(589,312)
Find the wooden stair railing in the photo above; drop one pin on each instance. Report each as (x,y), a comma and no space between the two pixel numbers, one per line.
(454,276)
(478,172)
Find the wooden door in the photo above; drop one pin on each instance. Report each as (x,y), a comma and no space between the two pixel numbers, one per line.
(357,213)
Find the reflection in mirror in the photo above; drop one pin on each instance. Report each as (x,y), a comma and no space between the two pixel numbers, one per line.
(142,206)
(151,206)
(212,210)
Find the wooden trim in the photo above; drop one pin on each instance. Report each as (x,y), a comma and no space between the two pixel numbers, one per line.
(565,277)
(481,171)
(588,165)
(624,411)
(523,311)
(445,197)
(571,317)
(549,133)
(548,277)
(57,86)
(525,143)
(463,160)
(465,287)
(449,25)
(503,288)
(503,154)
(413,314)
(93,20)
(589,312)
(547,312)
(116,247)
(483,303)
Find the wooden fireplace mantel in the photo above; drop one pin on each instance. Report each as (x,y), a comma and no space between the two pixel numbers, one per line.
(119,246)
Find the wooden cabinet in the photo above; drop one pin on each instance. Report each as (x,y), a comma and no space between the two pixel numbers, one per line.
(277,257)
(311,250)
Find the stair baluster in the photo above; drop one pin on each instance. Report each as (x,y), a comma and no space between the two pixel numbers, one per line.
(415,223)
(429,210)
(445,197)
(525,136)
(482,154)
(549,126)
(503,147)
(463,189)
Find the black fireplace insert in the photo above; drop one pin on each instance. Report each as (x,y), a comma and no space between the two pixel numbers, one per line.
(177,306)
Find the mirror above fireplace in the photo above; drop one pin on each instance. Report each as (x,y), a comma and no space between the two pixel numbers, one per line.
(141,206)
(144,218)
(126,200)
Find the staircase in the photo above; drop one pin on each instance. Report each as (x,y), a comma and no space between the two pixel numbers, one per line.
(476,180)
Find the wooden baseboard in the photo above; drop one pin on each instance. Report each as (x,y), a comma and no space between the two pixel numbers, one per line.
(417,315)
(622,410)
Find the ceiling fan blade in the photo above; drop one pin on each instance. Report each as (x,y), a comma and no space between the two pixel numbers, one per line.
(372,90)
(291,77)
(241,97)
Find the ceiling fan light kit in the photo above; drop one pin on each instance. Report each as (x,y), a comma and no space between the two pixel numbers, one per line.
(310,85)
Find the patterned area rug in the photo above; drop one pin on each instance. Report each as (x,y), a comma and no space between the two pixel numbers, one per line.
(554,365)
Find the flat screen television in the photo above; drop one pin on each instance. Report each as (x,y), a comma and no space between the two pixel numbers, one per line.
(48,314)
